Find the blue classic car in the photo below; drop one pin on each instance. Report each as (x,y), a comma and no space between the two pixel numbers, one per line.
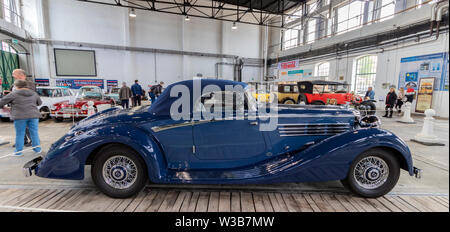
(177,141)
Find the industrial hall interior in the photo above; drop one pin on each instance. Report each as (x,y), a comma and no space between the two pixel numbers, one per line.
(196,106)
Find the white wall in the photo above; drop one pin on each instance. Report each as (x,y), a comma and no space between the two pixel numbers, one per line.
(74,21)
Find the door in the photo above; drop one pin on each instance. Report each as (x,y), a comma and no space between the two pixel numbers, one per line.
(175,138)
(230,141)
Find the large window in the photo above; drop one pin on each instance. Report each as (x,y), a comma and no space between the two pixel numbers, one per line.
(10,11)
(291,37)
(323,70)
(311,31)
(387,9)
(365,73)
(349,17)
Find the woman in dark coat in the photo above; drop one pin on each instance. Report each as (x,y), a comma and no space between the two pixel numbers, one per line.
(391,99)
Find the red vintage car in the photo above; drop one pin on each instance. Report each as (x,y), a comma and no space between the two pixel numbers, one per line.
(63,110)
(325,93)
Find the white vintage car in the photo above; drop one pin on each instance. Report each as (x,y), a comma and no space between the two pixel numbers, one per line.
(49,97)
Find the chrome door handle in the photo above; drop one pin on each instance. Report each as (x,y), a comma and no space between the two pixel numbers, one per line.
(254,123)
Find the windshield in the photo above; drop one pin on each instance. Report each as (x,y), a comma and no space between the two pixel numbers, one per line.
(330,89)
(91,92)
(45,92)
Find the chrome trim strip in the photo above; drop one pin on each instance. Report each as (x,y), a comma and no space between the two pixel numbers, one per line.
(312,132)
(314,128)
(290,135)
(313,124)
(170,126)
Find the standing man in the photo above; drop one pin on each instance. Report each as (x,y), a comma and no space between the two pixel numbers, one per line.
(125,95)
(136,89)
(24,111)
(391,99)
(155,91)
(370,94)
(20,74)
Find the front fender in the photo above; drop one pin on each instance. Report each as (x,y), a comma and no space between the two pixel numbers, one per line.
(66,159)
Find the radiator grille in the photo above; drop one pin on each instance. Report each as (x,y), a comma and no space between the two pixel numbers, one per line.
(318,129)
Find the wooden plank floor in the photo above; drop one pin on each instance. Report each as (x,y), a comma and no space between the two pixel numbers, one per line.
(88,200)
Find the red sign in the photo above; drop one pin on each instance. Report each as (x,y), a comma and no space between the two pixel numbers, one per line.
(288,64)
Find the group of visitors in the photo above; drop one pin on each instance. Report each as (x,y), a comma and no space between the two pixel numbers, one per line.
(136,93)
(393,100)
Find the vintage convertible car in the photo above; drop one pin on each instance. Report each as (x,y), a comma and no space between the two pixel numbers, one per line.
(126,148)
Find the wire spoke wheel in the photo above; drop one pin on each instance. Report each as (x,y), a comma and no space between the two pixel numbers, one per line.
(120,172)
(371,172)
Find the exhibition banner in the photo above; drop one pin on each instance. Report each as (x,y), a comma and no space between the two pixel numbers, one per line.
(112,83)
(78,83)
(42,82)
(414,68)
(425,94)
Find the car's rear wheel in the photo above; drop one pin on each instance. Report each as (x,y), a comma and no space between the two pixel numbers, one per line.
(119,172)
(373,173)
(289,102)
(45,113)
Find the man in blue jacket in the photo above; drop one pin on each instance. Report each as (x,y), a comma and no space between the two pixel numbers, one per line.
(136,89)
(370,94)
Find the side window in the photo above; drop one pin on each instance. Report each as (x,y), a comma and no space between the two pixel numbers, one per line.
(295,89)
(66,92)
(286,89)
(222,101)
(57,93)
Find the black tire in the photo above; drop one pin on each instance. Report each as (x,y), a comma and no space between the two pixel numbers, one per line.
(302,98)
(58,120)
(319,103)
(5,119)
(97,171)
(44,116)
(394,173)
(288,101)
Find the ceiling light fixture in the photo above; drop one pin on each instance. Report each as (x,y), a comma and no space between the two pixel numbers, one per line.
(234,27)
(132,13)
(187,18)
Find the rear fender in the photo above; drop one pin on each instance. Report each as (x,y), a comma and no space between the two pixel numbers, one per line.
(338,152)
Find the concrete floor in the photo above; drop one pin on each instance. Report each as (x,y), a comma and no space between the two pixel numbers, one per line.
(434,160)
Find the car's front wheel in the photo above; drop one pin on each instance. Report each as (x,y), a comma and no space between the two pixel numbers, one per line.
(373,173)
(119,172)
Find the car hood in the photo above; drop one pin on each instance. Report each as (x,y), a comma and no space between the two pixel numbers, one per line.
(114,116)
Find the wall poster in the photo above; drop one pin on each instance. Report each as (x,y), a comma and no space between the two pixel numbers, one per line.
(414,68)
(425,94)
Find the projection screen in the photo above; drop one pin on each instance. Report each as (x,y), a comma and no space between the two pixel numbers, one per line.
(71,62)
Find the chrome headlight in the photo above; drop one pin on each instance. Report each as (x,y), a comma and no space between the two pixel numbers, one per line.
(370,121)
(84,107)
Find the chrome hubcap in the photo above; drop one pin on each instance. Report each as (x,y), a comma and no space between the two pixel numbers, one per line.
(119,172)
(371,172)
